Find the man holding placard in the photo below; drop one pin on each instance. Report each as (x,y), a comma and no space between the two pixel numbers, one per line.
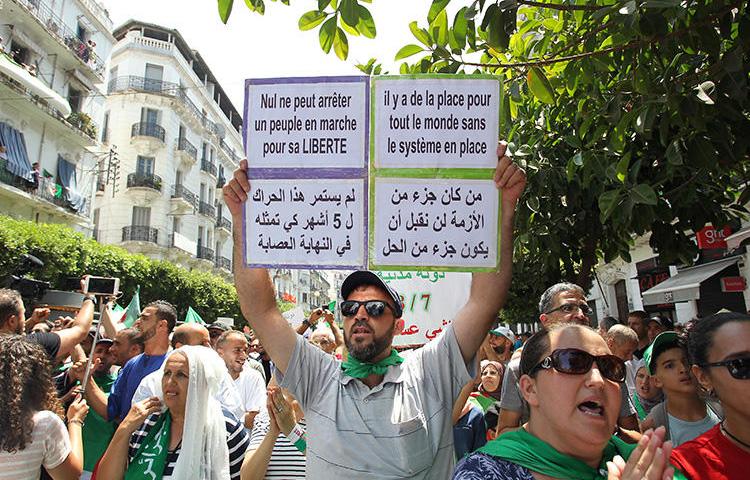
(377,415)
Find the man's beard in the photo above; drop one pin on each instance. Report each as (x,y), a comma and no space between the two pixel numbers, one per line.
(500,349)
(367,352)
(146,335)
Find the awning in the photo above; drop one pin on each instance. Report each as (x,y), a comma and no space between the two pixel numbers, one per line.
(685,286)
(734,240)
(16,156)
(36,86)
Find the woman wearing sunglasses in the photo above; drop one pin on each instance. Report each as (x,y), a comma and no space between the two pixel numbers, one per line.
(572,384)
(719,351)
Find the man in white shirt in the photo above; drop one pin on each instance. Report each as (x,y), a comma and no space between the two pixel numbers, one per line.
(233,347)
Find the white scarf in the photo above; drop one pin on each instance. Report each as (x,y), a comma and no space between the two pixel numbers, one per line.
(204,454)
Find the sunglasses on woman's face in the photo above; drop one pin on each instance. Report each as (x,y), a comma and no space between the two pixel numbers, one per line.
(578,362)
(374,308)
(739,368)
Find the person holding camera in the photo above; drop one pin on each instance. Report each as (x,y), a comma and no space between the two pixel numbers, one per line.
(57,344)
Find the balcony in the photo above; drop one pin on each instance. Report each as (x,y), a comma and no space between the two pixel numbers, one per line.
(205,253)
(224,226)
(140,233)
(64,35)
(229,152)
(208,167)
(147,129)
(47,191)
(169,89)
(224,263)
(144,180)
(206,209)
(186,151)
(184,198)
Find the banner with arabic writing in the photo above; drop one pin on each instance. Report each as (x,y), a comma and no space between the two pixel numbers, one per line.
(430,299)
(306,145)
(433,203)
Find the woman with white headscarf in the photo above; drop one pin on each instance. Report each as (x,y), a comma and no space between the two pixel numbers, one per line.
(149,442)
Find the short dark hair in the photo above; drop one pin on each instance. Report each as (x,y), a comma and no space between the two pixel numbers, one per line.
(608,322)
(134,337)
(638,313)
(181,337)
(9,304)
(225,336)
(165,311)
(660,348)
(700,334)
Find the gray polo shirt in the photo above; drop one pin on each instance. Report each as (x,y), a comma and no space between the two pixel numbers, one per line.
(512,400)
(399,429)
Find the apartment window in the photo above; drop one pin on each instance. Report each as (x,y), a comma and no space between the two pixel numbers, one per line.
(74,99)
(142,216)
(20,54)
(211,152)
(96,223)
(83,34)
(112,73)
(154,75)
(200,237)
(144,165)
(178,177)
(181,132)
(105,128)
(203,192)
(204,151)
(176,224)
(149,115)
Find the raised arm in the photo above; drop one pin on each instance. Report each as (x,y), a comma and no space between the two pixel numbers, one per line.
(254,287)
(73,335)
(490,290)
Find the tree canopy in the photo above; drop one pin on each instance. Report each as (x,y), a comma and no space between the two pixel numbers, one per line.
(630,117)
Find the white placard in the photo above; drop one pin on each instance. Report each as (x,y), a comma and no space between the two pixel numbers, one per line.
(311,124)
(435,223)
(436,123)
(305,223)
(431,301)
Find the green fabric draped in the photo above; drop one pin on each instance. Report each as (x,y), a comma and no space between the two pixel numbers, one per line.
(356,369)
(523,448)
(151,457)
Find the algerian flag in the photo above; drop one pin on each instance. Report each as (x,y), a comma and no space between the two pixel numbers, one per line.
(133,311)
(193,317)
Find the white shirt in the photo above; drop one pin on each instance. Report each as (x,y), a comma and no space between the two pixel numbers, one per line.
(251,388)
(227,395)
(50,446)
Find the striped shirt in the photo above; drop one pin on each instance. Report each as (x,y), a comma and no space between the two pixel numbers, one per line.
(237,442)
(286,461)
(50,446)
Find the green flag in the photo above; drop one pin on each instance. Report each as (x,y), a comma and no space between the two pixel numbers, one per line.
(193,317)
(117,309)
(131,314)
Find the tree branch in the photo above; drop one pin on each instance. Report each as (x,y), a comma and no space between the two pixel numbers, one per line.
(555,6)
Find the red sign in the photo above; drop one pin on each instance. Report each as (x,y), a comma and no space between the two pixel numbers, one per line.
(709,237)
(733,284)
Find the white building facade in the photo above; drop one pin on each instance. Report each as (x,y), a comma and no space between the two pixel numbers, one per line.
(177,139)
(52,69)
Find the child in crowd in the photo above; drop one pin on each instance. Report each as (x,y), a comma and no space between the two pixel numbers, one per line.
(719,351)
(683,413)
(646,394)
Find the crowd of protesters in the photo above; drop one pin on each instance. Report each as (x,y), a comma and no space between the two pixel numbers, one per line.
(163,400)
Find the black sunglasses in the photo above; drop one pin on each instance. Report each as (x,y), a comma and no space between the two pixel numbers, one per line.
(739,368)
(568,308)
(374,308)
(577,362)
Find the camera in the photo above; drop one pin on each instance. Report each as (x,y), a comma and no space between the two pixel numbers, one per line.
(27,287)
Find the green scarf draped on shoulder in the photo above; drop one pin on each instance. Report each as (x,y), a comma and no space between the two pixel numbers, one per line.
(151,457)
(357,369)
(522,448)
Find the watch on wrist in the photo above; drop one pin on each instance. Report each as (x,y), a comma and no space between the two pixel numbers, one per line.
(90,297)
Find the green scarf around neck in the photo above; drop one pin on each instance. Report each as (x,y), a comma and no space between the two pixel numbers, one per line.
(356,369)
(151,458)
(523,448)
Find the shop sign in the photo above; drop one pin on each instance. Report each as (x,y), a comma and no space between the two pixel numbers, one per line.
(710,237)
(733,284)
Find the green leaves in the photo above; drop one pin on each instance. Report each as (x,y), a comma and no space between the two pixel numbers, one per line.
(644,194)
(436,8)
(540,86)
(349,10)
(327,33)
(340,44)
(311,19)
(256,6)
(608,201)
(408,51)
(225,9)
